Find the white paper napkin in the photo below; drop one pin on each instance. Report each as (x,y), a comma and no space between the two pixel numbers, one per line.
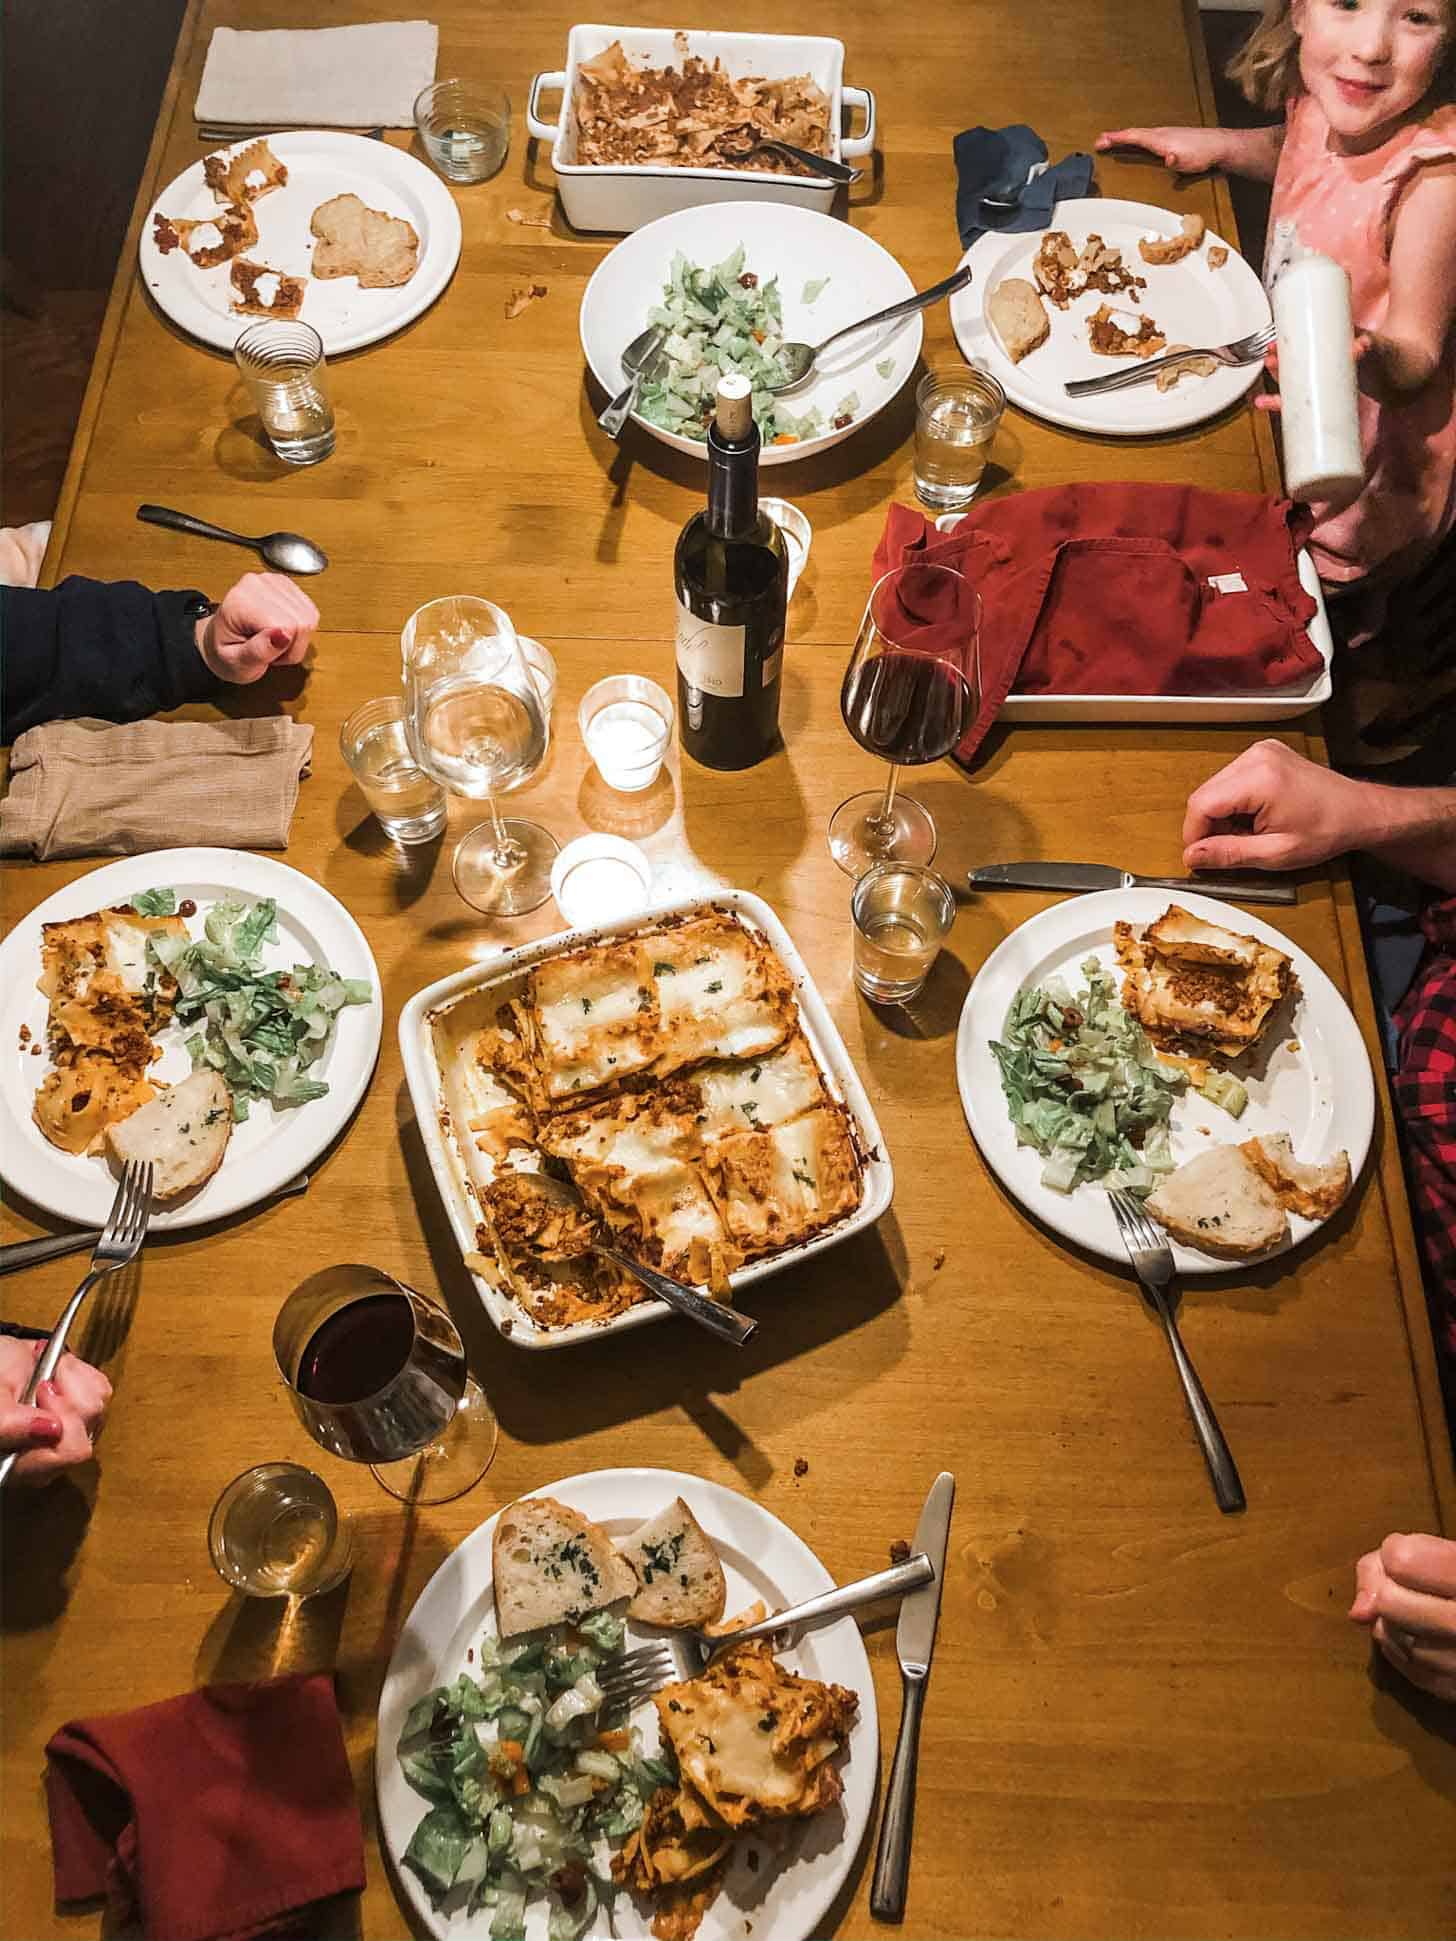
(328,77)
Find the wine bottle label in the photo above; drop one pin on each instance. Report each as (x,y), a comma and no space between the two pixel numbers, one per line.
(710,657)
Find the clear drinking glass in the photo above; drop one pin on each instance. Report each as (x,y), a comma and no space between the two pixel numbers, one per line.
(902,915)
(798,535)
(410,806)
(465,127)
(911,690)
(276,1532)
(956,416)
(626,723)
(474,722)
(377,1375)
(283,366)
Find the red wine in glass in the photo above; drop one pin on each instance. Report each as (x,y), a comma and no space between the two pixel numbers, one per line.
(910,692)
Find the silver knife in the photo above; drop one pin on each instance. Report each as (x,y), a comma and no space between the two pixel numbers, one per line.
(914,1643)
(1102,876)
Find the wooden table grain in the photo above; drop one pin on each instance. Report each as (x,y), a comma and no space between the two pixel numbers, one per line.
(1145,1719)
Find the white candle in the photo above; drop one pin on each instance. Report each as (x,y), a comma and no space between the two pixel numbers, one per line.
(1321,426)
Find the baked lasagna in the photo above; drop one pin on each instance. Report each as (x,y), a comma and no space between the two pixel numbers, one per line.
(1196,987)
(661,1084)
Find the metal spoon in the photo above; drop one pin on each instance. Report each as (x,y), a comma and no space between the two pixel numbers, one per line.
(809,163)
(639,354)
(290,552)
(798,360)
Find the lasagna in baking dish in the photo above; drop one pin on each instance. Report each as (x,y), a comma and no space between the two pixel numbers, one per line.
(661,1090)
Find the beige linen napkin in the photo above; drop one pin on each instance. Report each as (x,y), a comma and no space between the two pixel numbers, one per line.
(321,77)
(90,788)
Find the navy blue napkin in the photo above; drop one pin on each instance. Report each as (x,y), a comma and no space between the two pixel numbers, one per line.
(996,162)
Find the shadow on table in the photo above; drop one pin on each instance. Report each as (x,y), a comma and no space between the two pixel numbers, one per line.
(41,1531)
(624,1377)
(1417,1722)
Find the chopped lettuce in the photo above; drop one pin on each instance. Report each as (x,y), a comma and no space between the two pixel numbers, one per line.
(1085,1087)
(719,320)
(884,368)
(521,1791)
(815,288)
(262,1030)
(154,903)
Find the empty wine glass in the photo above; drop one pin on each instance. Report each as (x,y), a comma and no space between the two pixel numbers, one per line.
(474,721)
(377,1374)
(911,690)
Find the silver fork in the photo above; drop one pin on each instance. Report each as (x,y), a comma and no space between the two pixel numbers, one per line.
(634,1675)
(120,1243)
(1152,1261)
(1243,350)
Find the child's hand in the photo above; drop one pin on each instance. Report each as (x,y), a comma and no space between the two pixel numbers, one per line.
(1187,151)
(262,622)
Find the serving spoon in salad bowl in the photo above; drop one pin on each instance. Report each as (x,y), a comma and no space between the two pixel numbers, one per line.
(797,360)
(637,359)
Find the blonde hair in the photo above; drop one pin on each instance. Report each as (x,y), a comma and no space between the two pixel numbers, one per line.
(1266,67)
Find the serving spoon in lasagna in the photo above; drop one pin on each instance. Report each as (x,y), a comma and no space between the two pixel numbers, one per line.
(547,1218)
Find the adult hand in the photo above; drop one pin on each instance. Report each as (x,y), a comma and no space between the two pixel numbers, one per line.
(264,621)
(57,1429)
(1296,813)
(1405,1594)
(1187,151)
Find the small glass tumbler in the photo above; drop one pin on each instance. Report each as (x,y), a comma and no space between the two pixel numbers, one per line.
(283,366)
(798,535)
(276,1532)
(956,416)
(626,723)
(409,804)
(465,127)
(541,665)
(902,915)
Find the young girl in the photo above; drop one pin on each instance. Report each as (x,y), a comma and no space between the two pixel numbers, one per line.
(1364,165)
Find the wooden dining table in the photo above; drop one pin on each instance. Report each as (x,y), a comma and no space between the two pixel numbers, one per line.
(1145,1718)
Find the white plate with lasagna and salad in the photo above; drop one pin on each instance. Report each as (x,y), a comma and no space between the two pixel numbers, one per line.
(353,236)
(187,976)
(729,282)
(674,1080)
(1028,313)
(504,1789)
(1176,1047)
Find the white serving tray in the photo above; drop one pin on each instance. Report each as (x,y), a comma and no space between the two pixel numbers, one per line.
(423,1076)
(1271,704)
(596,196)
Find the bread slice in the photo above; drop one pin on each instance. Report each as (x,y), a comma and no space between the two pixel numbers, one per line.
(184,1132)
(552,1565)
(681,1579)
(1316,1190)
(354,240)
(1018,317)
(1219,1204)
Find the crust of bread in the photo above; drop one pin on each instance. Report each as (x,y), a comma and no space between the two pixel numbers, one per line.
(680,1576)
(549,1564)
(1018,316)
(1219,1204)
(1313,1190)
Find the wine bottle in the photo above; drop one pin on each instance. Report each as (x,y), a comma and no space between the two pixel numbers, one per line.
(730,572)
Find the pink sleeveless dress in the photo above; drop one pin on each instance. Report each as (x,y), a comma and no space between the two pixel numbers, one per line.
(1343,206)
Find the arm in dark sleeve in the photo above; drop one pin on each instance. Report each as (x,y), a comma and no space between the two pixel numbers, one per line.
(90,647)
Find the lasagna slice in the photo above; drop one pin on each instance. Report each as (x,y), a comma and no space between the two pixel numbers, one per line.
(592,1019)
(746,1095)
(1190,983)
(777,1187)
(721,993)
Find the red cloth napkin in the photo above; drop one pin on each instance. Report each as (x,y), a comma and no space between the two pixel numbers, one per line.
(227,1812)
(1110,589)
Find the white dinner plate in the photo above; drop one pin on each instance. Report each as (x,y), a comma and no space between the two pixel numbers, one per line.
(783,1898)
(272,1145)
(1315,1083)
(800,247)
(1190,302)
(321,163)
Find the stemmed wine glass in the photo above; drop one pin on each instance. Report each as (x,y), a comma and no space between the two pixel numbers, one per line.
(911,690)
(377,1374)
(473,720)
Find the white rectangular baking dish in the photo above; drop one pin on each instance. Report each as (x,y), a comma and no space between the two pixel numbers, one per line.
(626,196)
(1270,704)
(426,1087)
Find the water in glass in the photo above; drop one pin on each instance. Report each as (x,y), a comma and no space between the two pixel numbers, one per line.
(276,1532)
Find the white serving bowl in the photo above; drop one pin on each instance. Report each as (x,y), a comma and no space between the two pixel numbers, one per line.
(623,196)
(800,246)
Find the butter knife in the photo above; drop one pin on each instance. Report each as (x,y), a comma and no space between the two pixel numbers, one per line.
(914,1644)
(1102,876)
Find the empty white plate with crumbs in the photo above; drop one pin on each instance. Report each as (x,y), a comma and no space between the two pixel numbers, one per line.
(321,164)
(777,1895)
(1309,1077)
(1190,301)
